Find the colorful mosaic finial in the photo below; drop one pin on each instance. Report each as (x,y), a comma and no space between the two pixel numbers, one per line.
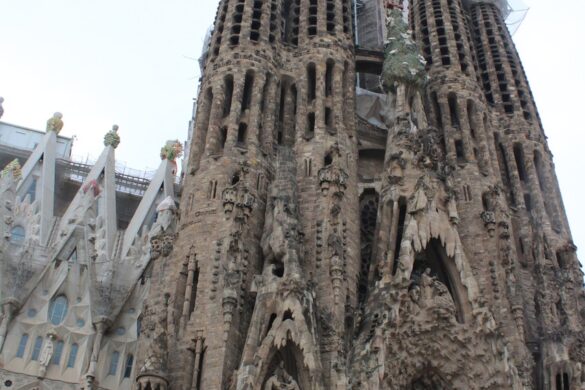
(172,150)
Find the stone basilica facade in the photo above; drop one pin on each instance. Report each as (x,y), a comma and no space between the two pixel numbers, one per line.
(368,202)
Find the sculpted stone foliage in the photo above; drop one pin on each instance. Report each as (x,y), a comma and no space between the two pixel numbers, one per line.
(55,123)
(112,138)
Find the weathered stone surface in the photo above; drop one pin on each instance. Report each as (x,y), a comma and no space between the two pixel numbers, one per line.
(316,249)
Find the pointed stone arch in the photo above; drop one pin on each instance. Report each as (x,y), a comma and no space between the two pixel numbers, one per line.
(291,358)
(285,333)
(444,270)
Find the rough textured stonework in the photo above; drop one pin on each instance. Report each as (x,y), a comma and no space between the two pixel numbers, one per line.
(429,251)
(351,217)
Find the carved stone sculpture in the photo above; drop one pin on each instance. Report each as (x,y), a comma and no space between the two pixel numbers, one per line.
(14,168)
(46,354)
(55,123)
(281,380)
(112,138)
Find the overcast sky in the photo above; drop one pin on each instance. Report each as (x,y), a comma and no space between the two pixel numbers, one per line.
(133,63)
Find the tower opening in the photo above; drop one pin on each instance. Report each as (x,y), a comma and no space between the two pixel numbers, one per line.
(312,18)
(242,133)
(222,138)
(402,207)
(454,111)
(228,90)
(437,110)
(290,22)
(310,125)
(247,94)
(273,21)
(328,117)
(331,16)
(520,164)
(193,297)
(329,78)
(256,21)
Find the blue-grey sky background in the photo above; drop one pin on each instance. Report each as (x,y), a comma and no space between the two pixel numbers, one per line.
(134,63)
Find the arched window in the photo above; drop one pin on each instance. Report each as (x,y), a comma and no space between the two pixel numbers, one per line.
(114,363)
(17,235)
(129,366)
(22,346)
(58,310)
(58,352)
(72,356)
(37,348)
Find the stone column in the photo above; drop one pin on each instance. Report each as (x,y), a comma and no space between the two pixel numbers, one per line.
(197,361)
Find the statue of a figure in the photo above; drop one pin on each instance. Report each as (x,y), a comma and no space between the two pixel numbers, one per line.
(426,281)
(281,380)
(46,354)
(55,123)
(442,300)
(335,244)
(413,304)
(167,217)
(1,108)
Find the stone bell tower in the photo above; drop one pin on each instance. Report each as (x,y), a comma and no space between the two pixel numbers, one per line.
(320,249)
(252,259)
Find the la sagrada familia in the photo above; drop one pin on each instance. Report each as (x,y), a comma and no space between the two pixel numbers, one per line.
(351,215)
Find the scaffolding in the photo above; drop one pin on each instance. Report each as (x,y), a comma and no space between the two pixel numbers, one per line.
(514,11)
